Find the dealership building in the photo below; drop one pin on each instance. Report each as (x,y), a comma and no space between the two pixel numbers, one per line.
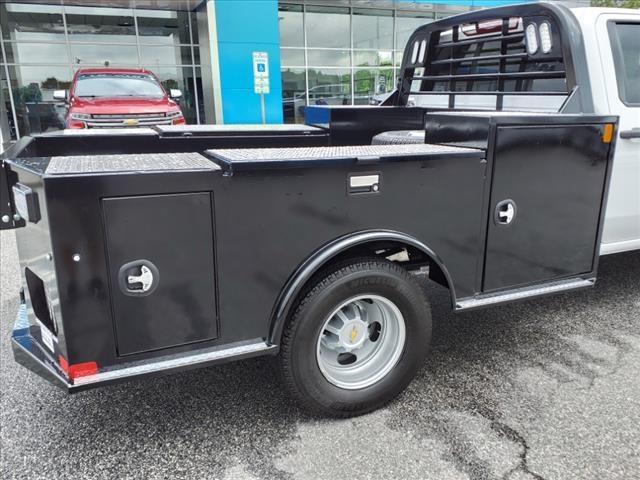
(319,52)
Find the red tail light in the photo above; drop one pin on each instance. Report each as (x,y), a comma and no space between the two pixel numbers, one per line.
(64,365)
(83,369)
(79,369)
(179,121)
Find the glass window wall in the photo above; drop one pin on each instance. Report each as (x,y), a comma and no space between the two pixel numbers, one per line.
(373,29)
(100,25)
(329,58)
(104,54)
(327,27)
(26,53)
(290,25)
(337,54)
(294,88)
(31,88)
(292,56)
(23,22)
(329,86)
(167,28)
(181,78)
(371,85)
(40,55)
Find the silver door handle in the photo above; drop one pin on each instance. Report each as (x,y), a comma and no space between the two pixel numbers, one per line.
(138,278)
(633,133)
(145,278)
(506,216)
(505,213)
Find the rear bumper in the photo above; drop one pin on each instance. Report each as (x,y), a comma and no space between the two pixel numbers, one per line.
(28,352)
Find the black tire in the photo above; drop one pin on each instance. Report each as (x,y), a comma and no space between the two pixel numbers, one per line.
(399,137)
(340,282)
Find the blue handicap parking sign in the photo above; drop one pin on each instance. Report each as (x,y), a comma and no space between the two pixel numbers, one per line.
(261,67)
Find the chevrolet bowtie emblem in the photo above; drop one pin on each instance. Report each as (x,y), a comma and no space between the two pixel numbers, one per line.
(131,121)
(353,335)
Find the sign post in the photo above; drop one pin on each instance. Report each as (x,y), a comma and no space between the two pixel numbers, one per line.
(261,79)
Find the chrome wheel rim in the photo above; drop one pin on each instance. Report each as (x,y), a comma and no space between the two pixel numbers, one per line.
(361,341)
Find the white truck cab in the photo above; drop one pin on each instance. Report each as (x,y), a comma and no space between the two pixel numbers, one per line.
(612,43)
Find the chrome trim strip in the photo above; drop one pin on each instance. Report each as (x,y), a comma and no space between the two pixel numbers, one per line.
(524,293)
(125,119)
(99,116)
(176,362)
(123,124)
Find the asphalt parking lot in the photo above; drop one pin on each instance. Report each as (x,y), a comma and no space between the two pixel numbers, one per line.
(548,389)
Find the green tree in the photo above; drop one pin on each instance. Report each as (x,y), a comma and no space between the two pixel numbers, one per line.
(616,3)
(170,83)
(51,83)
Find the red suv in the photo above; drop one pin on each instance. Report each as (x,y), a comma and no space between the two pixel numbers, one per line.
(119,97)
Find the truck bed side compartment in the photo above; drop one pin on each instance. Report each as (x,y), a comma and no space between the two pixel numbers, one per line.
(545,201)
(176,232)
(556,182)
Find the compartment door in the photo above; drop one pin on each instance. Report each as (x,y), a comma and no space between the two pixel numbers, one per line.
(161,266)
(547,192)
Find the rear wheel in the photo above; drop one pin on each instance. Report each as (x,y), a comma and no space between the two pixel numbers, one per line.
(356,338)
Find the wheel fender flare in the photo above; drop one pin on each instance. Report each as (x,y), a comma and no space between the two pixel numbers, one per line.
(323,255)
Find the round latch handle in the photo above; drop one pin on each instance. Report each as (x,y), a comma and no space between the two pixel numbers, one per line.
(138,278)
(505,213)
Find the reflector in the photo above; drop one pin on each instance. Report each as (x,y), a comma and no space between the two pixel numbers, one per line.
(607,134)
(79,369)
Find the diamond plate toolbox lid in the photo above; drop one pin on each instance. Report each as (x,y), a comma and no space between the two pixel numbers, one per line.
(128,163)
(256,158)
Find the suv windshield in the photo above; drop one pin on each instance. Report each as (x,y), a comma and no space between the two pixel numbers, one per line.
(117,85)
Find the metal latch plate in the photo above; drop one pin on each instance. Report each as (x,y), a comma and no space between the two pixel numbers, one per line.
(368,183)
(26,202)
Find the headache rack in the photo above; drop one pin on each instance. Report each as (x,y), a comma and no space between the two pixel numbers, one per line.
(485,60)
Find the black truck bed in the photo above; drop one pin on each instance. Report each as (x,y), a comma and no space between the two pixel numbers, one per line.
(234,233)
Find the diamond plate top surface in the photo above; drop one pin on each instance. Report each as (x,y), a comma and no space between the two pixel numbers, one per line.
(148,162)
(502,113)
(238,128)
(98,132)
(249,155)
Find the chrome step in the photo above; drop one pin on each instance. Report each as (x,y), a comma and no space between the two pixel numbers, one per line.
(524,293)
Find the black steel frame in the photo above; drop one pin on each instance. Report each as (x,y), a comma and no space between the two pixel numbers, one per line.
(566,32)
